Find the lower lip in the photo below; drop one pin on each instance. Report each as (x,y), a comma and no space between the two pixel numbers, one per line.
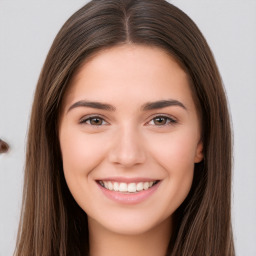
(131,198)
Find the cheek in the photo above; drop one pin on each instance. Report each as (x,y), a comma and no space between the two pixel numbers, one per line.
(79,152)
(175,152)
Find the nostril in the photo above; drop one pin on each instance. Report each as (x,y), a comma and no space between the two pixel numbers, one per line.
(4,147)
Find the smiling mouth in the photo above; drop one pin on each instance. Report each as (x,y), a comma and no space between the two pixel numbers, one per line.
(123,187)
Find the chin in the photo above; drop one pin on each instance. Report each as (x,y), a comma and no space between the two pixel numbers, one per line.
(130,223)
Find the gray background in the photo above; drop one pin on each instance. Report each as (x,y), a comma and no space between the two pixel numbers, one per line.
(27,29)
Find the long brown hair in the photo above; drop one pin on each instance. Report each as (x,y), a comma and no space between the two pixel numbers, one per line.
(51,221)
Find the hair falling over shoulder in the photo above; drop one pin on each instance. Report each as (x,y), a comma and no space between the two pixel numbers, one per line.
(51,222)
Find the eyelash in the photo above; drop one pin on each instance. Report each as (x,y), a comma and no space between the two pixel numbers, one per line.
(169,121)
(85,120)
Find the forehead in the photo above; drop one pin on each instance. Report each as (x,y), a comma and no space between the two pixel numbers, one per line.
(129,70)
(132,57)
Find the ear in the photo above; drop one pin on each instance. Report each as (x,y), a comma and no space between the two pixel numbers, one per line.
(199,156)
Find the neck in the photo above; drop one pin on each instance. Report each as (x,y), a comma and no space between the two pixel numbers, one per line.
(151,243)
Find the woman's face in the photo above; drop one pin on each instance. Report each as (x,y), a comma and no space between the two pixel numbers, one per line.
(129,135)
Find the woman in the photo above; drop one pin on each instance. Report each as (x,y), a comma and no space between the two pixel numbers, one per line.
(129,147)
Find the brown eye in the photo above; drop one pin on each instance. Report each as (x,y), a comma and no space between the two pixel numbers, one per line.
(162,121)
(94,121)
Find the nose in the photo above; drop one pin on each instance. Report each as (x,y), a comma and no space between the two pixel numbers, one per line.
(128,148)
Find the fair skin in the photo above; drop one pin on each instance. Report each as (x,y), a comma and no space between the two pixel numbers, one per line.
(129,163)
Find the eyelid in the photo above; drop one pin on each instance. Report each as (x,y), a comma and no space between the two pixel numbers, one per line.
(87,117)
(172,119)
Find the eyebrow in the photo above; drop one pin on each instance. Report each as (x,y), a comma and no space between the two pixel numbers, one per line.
(162,104)
(92,104)
(147,106)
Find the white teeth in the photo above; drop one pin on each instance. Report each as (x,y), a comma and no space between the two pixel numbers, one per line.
(123,187)
(110,185)
(127,187)
(139,186)
(105,184)
(146,185)
(116,186)
(131,187)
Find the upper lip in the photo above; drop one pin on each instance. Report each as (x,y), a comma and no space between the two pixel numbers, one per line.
(128,179)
